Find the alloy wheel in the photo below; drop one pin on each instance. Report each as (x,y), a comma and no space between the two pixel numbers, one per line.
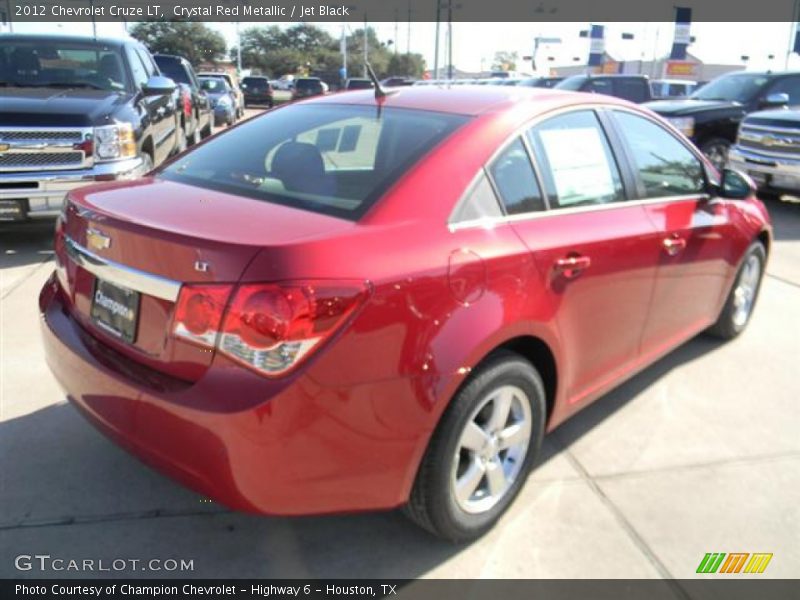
(746,288)
(491,449)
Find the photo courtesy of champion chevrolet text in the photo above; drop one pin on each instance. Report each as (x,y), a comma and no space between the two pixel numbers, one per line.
(431,299)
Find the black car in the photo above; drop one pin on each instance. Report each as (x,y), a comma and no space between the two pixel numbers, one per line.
(74,111)
(357,83)
(196,117)
(635,88)
(306,87)
(710,117)
(257,90)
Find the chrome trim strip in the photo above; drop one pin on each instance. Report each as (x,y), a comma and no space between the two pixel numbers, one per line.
(544,214)
(128,277)
(770,129)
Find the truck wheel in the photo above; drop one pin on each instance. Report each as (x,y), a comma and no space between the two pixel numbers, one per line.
(482,451)
(716,149)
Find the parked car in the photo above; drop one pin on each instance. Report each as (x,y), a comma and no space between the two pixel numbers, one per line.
(634,88)
(356,83)
(710,117)
(74,111)
(257,90)
(306,87)
(339,328)
(540,82)
(222,98)
(768,149)
(196,113)
(671,88)
(233,84)
(397,81)
(283,84)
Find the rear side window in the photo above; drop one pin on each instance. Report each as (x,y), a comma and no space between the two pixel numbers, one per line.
(172,68)
(578,167)
(332,159)
(480,202)
(666,167)
(631,89)
(599,86)
(515,181)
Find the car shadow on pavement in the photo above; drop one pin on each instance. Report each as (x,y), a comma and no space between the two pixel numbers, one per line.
(785,218)
(68,492)
(25,244)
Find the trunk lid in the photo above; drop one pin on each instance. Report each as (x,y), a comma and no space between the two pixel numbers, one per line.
(157,235)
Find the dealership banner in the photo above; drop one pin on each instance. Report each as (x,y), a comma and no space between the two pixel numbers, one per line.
(387,11)
(682,38)
(714,587)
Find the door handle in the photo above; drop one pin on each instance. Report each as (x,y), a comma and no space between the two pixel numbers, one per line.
(572,266)
(673,245)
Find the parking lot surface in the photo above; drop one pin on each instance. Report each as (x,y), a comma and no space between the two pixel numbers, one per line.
(699,453)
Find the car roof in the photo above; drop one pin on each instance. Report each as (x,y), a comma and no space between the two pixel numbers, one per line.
(61,38)
(468,100)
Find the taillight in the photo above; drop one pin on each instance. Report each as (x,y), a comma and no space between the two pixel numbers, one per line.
(198,313)
(268,328)
(187,104)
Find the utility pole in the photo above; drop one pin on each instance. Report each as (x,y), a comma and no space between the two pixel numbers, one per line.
(395,42)
(436,45)
(343,46)
(366,47)
(450,39)
(238,51)
(408,40)
(792,34)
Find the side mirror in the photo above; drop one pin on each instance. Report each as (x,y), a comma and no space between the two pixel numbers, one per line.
(775,101)
(158,86)
(736,185)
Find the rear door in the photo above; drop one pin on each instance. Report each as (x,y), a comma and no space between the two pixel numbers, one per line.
(696,252)
(596,251)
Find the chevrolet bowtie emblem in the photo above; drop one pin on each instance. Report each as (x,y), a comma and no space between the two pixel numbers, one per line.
(96,240)
(4,147)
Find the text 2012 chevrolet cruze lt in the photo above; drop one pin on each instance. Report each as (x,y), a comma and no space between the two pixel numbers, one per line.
(360,303)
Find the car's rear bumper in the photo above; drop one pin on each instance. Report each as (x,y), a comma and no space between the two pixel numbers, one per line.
(297,449)
(768,171)
(41,193)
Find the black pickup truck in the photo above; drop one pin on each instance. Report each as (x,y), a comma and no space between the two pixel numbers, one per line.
(74,111)
(710,117)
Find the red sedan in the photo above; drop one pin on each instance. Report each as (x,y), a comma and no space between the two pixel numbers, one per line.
(359,303)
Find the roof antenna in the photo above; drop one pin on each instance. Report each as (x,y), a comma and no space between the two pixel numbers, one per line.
(379,91)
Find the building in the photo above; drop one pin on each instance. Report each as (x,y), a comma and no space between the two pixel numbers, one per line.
(691,69)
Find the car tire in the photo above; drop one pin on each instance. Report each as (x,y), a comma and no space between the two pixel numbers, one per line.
(182,143)
(716,150)
(209,129)
(741,300)
(461,457)
(147,161)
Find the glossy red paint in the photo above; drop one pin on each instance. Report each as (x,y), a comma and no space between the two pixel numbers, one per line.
(347,429)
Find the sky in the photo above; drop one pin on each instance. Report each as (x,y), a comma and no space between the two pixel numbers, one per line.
(474,44)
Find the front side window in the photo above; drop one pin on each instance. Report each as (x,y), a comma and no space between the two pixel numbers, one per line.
(789,86)
(515,180)
(578,167)
(332,159)
(666,167)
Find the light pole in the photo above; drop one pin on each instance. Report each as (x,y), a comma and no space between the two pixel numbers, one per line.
(436,44)
(366,47)
(238,50)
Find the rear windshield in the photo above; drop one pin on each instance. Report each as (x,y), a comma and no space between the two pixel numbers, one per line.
(308,84)
(331,159)
(571,83)
(255,82)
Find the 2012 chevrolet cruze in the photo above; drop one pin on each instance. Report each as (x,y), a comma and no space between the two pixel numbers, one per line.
(362,302)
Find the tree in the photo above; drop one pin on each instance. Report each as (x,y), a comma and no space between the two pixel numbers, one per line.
(408,65)
(194,41)
(505,61)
